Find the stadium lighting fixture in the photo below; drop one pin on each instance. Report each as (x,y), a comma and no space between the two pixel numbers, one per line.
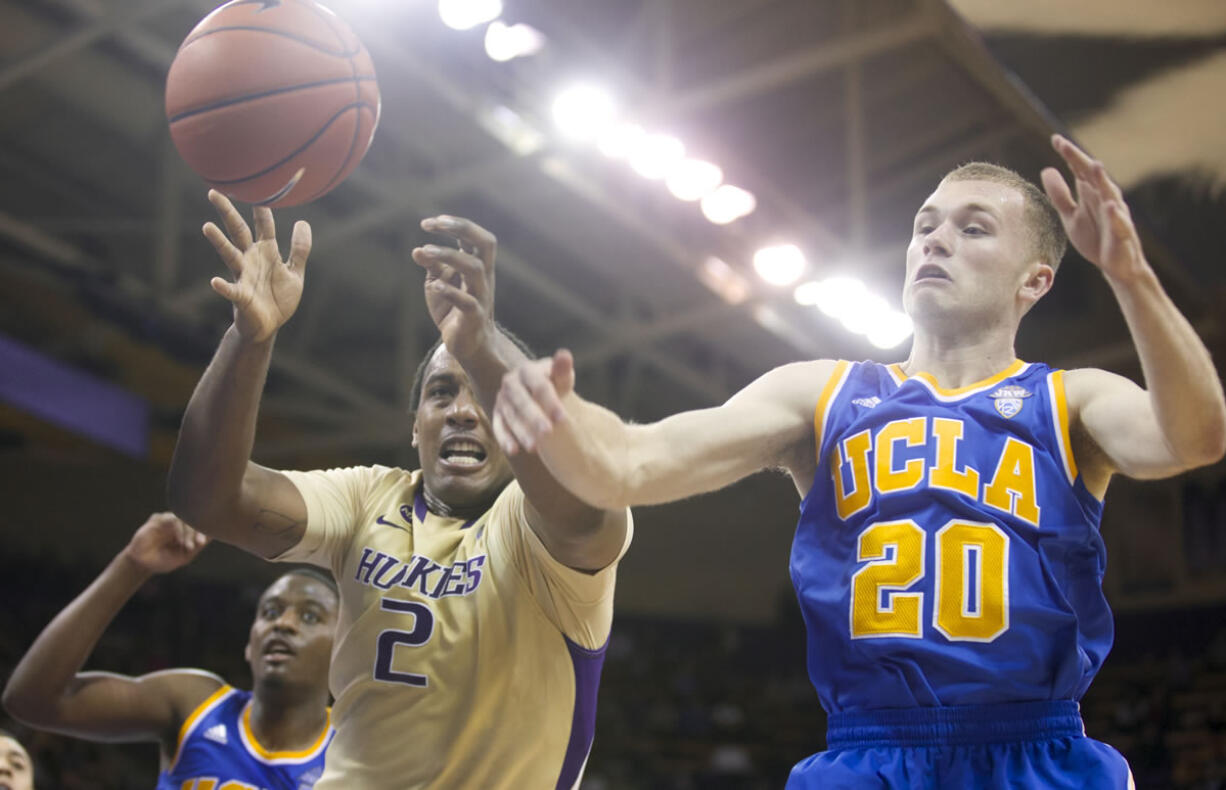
(807,294)
(725,281)
(693,179)
(864,314)
(782,264)
(465,14)
(618,141)
(654,156)
(581,112)
(728,204)
(505,42)
(834,295)
(890,330)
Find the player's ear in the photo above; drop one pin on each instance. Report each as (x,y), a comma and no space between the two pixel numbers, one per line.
(414,439)
(1039,278)
(247,652)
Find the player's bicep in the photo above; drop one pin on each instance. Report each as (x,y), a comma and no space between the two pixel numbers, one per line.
(103,706)
(1116,417)
(271,516)
(705,450)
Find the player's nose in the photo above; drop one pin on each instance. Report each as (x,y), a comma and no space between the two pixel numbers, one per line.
(937,241)
(463,410)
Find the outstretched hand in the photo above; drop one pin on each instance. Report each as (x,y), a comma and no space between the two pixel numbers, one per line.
(164,543)
(460,282)
(1098,222)
(266,290)
(530,401)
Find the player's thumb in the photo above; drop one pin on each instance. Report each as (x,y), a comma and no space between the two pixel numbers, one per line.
(563,372)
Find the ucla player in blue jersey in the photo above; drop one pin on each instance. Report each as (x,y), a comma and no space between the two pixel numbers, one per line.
(947,560)
(211,735)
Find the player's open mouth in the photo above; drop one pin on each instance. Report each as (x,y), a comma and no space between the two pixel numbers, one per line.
(462,452)
(930,271)
(278,648)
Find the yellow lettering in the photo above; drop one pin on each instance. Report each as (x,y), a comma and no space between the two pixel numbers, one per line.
(945,474)
(234,784)
(888,479)
(893,572)
(853,449)
(1012,489)
(972,592)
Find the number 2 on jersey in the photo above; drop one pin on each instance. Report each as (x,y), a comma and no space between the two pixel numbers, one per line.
(423,629)
(971,590)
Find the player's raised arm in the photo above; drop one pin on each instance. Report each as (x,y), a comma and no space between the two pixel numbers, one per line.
(1179,420)
(460,296)
(612,464)
(212,482)
(49,691)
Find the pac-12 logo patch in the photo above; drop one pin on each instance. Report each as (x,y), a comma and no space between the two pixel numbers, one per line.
(1008,399)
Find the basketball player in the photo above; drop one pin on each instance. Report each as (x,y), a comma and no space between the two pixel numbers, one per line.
(947,560)
(210,734)
(16,768)
(475,608)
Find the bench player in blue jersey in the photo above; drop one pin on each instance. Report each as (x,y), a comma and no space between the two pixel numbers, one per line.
(211,735)
(947,559)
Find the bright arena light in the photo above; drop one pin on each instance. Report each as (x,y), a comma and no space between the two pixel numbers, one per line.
(692,179)
(728,204)
(836,294)
(618,141)
(890,330)
(464,14)
(781,264)
(808,294)
(582,111)
(505,42)
(724,280)
(866,314)
(655,155)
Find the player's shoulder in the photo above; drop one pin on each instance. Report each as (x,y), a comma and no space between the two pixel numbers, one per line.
(1080,385)
(805,376)
(185,688)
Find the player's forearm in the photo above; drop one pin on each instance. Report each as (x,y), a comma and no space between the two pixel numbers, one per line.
(215,440)
(1180,377)
(588,454)
(42,682)
(486,367)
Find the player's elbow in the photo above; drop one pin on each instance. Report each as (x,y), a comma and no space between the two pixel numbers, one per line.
(25,705)
(1208,446)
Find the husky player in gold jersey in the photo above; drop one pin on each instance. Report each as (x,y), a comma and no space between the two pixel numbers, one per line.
(476,593)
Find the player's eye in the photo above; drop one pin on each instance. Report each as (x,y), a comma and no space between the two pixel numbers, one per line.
(310,617)
(974,230)
(271,612)
(924,230)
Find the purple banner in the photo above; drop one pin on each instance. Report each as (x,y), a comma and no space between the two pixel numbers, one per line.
(73,399)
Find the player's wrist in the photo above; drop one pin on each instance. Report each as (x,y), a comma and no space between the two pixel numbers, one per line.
(128,565)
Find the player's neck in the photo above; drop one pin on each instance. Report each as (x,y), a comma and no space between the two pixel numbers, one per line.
(287,721)
(959,362)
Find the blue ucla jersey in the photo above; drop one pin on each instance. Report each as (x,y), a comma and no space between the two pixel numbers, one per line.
(217,750)
(948,552)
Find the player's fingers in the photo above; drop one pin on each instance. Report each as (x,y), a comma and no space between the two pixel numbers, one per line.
(562,372)
(1078,161)
(523,417)
(226,288)
(300,246)
(467,266)
(546,401)
(503,435)
(230,255)
(1102,180)
(236,226)
(1057,191)
(265,227)
(456,296)
(469,233)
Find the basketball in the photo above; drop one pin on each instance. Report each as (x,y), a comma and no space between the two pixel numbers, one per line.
(272,102)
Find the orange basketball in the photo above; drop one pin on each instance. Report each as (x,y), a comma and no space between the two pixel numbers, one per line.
(272,102)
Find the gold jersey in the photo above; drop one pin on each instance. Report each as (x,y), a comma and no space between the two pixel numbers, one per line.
(465,656)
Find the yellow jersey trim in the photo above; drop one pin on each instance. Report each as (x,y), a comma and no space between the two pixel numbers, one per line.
(930,381)
(1055,382)
(833,385)
(190,722)
(258,749)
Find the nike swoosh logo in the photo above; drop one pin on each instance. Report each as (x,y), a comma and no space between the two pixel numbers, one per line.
(386,523)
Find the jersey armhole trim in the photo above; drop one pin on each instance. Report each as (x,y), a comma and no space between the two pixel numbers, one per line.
(189,724)
(829,392)
(1059,410)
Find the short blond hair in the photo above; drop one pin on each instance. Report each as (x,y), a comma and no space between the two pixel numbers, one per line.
(1042,219)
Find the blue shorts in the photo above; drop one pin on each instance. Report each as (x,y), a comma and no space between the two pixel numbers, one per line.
(1018,745)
